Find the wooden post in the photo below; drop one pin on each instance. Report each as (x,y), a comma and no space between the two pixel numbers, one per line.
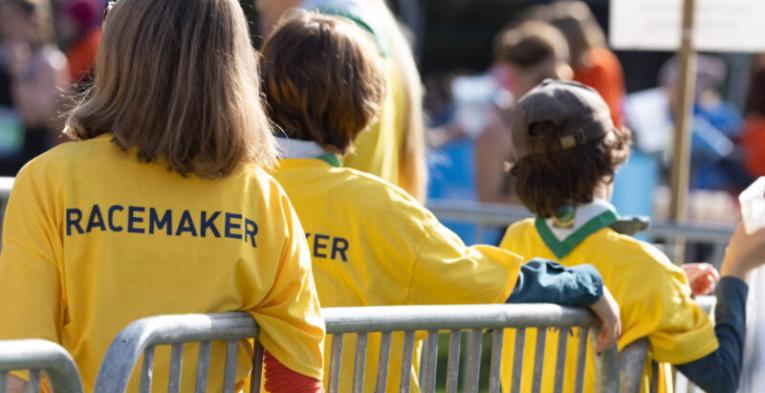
(683,117)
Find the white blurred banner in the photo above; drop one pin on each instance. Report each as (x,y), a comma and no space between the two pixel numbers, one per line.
(721,25)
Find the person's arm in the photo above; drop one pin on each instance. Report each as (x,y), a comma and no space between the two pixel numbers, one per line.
(542,281)
(280,379)
(719,371)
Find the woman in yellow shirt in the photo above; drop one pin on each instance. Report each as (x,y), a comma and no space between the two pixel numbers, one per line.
(372,243)
(161,205)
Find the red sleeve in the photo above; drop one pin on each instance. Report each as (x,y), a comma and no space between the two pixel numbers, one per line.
(280,379)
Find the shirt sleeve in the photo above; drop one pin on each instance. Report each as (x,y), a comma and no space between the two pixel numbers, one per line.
(446,271)
(662,310)
(719,371)
(543,281)
(289,317)
(31,297)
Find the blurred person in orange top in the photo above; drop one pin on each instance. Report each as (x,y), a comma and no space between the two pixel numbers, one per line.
(594,64)
(33,72)
(78,23)
(752,141)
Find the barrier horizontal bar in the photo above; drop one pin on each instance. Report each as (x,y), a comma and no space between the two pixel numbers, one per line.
(42,355)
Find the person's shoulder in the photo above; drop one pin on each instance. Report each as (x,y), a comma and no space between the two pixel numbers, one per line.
(518,232)
(66,153)
(631,250)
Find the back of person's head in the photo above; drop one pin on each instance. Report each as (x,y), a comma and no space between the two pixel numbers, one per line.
(579,27)
(36,12)
(177,80)
(323,79)
(531,45)
(566,146)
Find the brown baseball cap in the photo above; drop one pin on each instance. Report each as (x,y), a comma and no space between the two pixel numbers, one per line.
(578,114)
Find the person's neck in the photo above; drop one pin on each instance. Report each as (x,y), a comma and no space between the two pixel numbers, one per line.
(603,191)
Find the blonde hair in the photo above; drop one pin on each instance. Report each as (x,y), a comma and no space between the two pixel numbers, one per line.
(178,81)
(323,79)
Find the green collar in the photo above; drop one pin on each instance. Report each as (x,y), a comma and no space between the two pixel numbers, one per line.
(563,248)
(331,159)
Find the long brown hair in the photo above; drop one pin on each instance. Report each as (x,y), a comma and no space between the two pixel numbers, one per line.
(323,79)
(178,81)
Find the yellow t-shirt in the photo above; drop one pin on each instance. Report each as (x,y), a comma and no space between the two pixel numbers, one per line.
(374,245)
(652,293)
(93,239)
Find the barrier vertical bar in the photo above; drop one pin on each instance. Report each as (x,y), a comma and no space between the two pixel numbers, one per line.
(203,367)
(560,361)
(33,385)
(147,369)
(539,359)
(257,368)
(3,381)
(359,362)
(335,362)
(497,337)
(429,363)
(473,360)
(383,363)
(453,363)
(406,362)
(581,359)
(229,373)
(520,342)
(176,363)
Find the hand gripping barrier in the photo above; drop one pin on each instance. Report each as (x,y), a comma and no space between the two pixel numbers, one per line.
(39,357)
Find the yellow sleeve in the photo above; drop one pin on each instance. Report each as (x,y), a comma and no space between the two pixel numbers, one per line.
(289,318)
(30,289)
(446,271)
(662,309)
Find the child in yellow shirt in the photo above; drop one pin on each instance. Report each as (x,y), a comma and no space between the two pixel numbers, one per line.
(567,151)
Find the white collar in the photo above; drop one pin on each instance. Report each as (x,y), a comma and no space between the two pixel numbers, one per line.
(583,215)
(293,148)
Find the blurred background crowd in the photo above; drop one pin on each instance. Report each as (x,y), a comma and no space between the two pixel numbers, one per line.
(475,57)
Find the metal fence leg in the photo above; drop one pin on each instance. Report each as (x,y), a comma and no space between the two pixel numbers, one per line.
(539,360)
(3,381)
(520,342)
(560,361)
(497,337)
(203,367)
(33,385)
(176,363)
(147,369)
(229,373)
(473,360)
(335,362)
(406,362)
(453,364)
(429,363)
(257,368)
(607,372)
(581,359)
(359,362)
(383,364)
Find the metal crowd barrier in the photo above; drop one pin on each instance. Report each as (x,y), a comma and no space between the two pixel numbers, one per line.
(39,357)
(493,215)
(141,337)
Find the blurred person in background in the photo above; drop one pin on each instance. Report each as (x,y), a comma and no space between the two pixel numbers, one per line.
(524,56)
(752,141)
(593,63)
(394,149)
(33,74)
(78,25)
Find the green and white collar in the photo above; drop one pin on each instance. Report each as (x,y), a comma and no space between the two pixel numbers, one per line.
(587,219)
(293,148)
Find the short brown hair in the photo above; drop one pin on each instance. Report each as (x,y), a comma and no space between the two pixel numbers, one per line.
(177,79)
(545,181)
(580,29)
(323,79)
(530,44)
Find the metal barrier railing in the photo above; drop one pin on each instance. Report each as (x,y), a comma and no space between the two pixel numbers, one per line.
(492,215)
(142,337)
(39,357)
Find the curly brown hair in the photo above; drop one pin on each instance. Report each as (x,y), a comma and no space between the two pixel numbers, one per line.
(545,181)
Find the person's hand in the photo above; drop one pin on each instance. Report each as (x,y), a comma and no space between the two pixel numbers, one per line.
(702,277)
(744,253)
(607,310)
